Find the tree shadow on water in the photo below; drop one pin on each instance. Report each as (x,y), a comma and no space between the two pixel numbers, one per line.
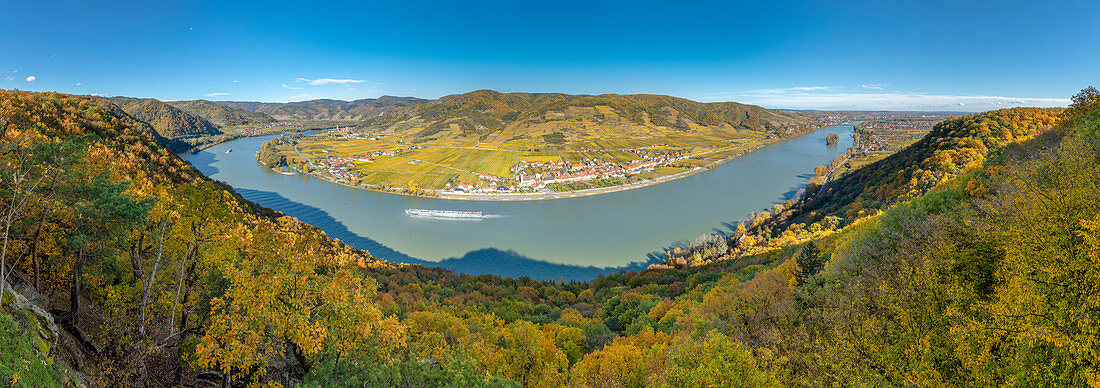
(479,262)
(203,161)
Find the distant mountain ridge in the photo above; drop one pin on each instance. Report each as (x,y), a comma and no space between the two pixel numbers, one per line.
(326,109)
(182,125)
(222,115)
(168,121)
(478,113)
(484,111)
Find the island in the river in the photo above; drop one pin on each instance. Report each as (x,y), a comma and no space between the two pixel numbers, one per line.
(490,145)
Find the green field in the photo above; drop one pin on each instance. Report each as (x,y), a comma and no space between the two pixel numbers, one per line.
(443,155)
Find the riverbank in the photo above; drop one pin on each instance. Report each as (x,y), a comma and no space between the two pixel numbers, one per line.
(504,197)
(225,138)
(553,195)
(524,238)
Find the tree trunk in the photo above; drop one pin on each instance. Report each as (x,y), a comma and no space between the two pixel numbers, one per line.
(152,277)
(74,292)
(4,252)
(184,315)
(34,253)
(136,258)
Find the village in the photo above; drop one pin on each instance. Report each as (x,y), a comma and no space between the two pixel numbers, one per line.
(337,166)
(534,176)
(887,135)
(527,176)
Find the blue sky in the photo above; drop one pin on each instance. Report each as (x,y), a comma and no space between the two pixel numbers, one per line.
(922,55)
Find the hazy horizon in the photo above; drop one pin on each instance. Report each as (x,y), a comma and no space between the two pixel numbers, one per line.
(929,56)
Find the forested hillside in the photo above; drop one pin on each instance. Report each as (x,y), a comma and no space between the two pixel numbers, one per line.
(485,111)
(156,275)
(325,109)
(222,115)
(169,121)
(953,146)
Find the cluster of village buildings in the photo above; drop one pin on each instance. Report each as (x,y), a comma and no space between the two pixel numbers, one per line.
(898,129)
(337,166)
(535,175)
(527,176)
(873,143)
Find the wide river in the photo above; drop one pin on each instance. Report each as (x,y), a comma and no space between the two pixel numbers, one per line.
(571,238)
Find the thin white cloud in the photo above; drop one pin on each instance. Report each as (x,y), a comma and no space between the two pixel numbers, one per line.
(236,82)
(873,86)
(32,78)
(863,98)
(79,84)
(216,94)
(788,90)
(291,87)
(301,97)
(329,81)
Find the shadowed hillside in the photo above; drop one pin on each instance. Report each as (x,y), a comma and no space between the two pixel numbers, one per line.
(169,121)
(222,115)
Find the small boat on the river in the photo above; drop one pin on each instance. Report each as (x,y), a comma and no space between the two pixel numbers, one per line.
(444,214)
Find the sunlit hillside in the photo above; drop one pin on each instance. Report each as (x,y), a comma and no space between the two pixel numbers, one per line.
(130,268)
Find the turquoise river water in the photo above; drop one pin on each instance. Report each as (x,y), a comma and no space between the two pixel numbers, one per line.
(570,238)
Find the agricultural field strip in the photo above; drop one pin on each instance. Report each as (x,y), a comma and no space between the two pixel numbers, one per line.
(578,154)
(430,164)
(739,140)
(435,164)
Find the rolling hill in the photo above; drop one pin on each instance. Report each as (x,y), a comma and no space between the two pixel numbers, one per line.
(485,111)
(326,109)
(169,122)
(222,115)
(132,269)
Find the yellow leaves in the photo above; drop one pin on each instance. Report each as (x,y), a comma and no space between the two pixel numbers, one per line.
(658,312)
(620,364)
(714,361)
(529,357)
(1090,234)
(287,287)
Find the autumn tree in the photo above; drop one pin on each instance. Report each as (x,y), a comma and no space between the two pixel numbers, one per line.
(102,213)
(809,262)
(1036,329)
(1084,112)
(714,360)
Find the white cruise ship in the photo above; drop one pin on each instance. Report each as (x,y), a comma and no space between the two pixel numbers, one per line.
(444,214)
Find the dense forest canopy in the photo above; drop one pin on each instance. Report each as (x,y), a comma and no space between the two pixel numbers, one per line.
(968,258)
